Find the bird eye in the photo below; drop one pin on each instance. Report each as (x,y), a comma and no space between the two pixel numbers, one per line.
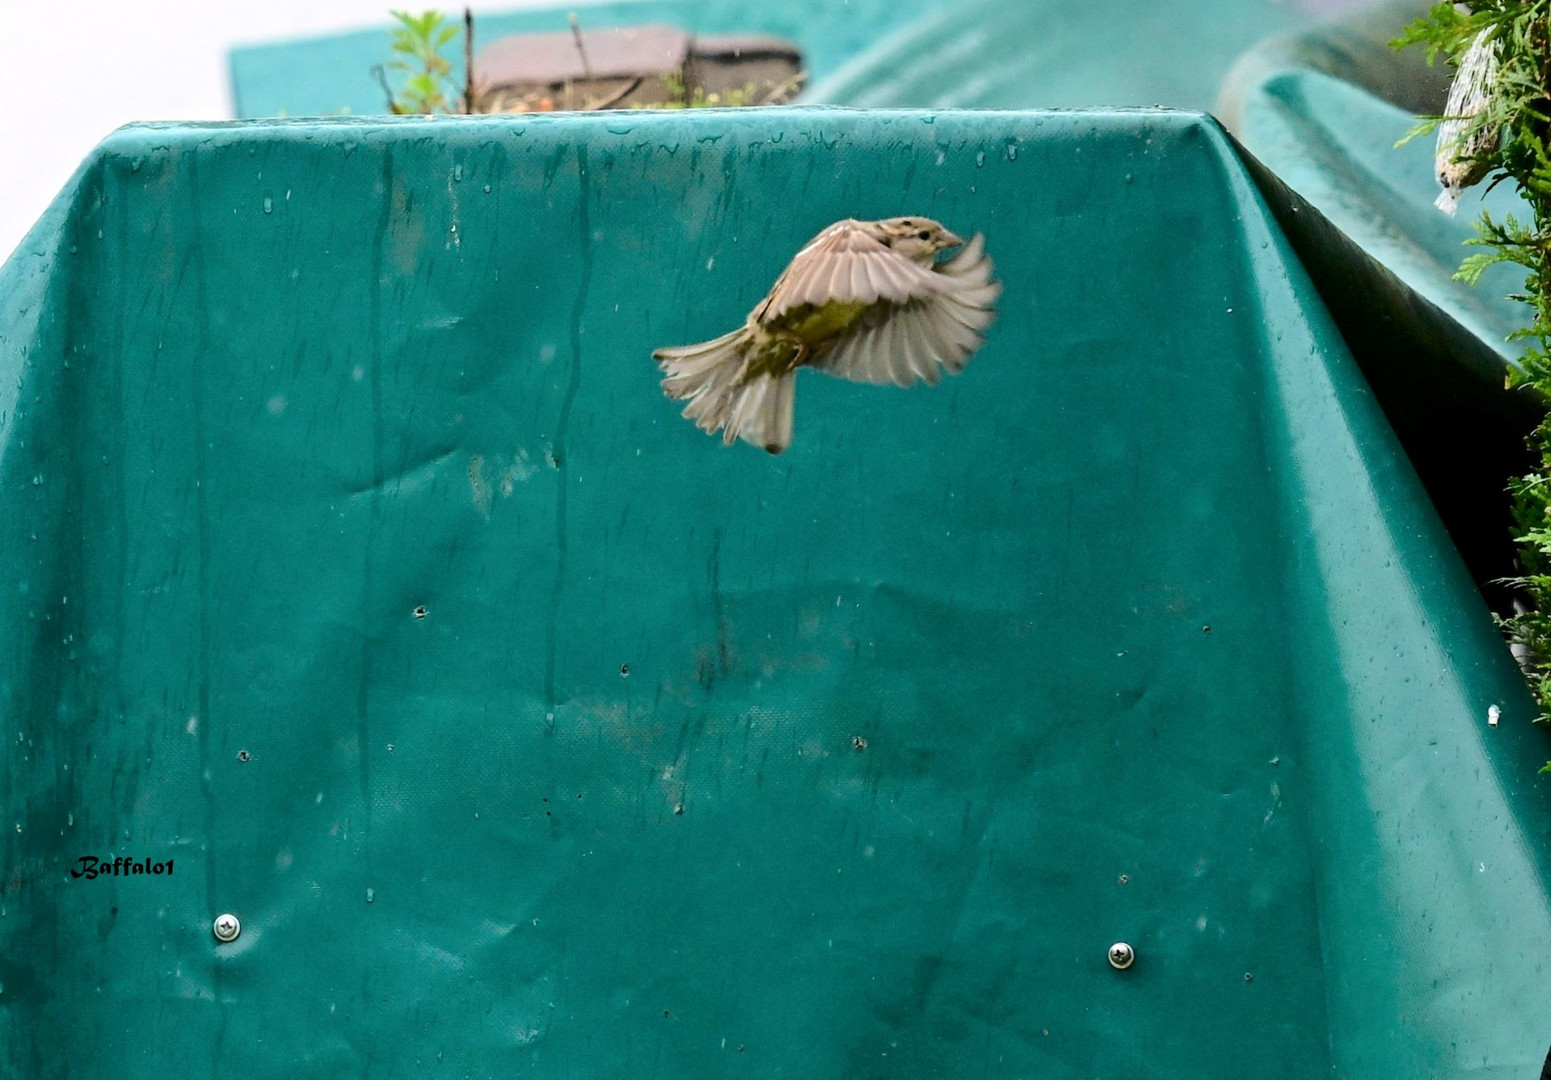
(923,235)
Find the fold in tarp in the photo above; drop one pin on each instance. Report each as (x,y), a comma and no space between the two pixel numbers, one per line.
(1322,112)
(357,568)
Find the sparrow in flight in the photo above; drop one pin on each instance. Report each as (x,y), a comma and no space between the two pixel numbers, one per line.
(865,300)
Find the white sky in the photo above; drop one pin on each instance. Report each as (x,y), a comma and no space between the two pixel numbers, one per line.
(77,69)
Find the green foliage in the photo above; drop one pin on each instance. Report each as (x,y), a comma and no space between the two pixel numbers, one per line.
(418,41)
(1515,125)
(673,86)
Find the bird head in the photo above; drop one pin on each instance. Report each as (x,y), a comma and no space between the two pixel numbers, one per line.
(917,238)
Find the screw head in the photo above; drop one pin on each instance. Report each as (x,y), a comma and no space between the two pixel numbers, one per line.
(226,928)
(1121,956)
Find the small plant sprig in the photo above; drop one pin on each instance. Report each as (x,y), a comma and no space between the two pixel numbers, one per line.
(428,85)
(748,94)
(673,86)
(1505,134)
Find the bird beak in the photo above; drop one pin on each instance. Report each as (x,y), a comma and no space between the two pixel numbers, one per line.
(951,239)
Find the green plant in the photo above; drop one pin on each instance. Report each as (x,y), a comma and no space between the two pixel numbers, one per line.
(1505,134)
(678,98)
(418,41)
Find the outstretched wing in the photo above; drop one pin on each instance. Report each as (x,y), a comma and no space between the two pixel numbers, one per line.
(901,341)
(847,262)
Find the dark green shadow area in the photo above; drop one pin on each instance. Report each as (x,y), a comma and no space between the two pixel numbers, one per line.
(355,562)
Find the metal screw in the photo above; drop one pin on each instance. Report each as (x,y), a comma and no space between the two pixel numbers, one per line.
(1121,956)
(226,928)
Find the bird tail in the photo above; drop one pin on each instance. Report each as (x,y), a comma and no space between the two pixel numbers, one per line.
(710,377)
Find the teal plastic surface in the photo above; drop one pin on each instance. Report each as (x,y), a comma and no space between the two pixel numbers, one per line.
(1356,48)
(330,75)
(1047,54)
(1321,112)
(1335,144)
(1441,387)
(356,564)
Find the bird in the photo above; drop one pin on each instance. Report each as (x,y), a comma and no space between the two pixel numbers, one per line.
(866,301)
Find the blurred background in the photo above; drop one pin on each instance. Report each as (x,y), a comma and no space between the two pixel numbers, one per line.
(89,66)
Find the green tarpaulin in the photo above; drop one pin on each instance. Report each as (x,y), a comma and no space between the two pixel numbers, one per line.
(1047,54)
(1320,106)
(1324,111)
(356,566)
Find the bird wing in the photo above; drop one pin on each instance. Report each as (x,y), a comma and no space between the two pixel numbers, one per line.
(901,341)
(847,262)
